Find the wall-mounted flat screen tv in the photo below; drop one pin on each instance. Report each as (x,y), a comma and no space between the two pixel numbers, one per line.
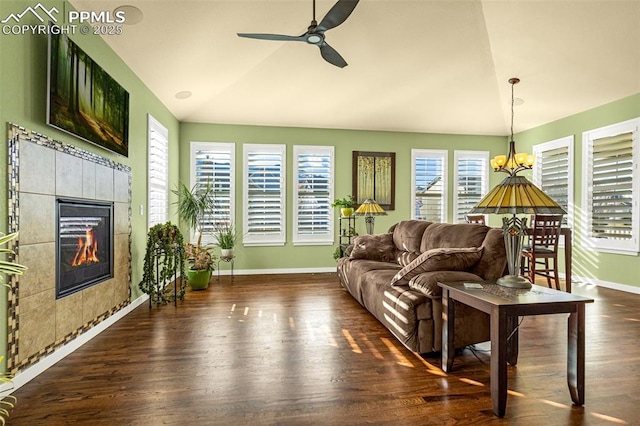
(83,99)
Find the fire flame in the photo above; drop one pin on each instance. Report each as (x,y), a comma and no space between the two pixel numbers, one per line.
(87,250)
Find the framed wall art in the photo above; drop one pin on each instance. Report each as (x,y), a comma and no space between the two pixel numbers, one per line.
(374,176)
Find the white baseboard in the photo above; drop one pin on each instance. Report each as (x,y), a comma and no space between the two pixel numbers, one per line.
(276,271)
(30,373)
(606,284)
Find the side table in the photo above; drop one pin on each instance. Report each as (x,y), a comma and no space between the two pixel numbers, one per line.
(226,260)
(504,306)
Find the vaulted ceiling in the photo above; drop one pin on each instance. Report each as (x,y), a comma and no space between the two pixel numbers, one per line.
(419,66)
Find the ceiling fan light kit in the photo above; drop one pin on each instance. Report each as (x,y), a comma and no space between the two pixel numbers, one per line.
(315,33)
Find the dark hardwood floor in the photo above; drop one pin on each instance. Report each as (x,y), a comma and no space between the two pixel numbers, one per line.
(298,350)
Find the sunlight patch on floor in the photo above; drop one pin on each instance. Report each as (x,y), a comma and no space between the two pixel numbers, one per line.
(376,353)
(554,404)
(609,418)
(432,369)
(470,382)
(352,342)
(400,359)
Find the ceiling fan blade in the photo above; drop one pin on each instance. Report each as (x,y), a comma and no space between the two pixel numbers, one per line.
(276,37)
(337,14)
(332,56)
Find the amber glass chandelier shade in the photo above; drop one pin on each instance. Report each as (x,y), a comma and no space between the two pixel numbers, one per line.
(517,195)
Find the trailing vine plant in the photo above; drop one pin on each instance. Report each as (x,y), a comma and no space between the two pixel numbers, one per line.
(165,256)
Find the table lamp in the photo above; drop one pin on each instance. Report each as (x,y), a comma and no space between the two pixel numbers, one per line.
(369,208)
(515,195)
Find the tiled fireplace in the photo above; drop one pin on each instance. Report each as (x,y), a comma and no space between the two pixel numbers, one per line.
(78,280)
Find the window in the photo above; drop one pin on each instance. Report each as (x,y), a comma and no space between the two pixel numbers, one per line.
(214,163)
(313,194)
(429,183)
(611,186)
(471,176)
(264,194)
(157,172)
(553,173)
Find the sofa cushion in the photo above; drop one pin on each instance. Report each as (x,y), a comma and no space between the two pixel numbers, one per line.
(405,257)
(427,282)
(441,259)
(374,247)
(442,235)
(407,235)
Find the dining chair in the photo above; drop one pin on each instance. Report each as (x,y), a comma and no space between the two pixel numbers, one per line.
(543,249)
(475,218)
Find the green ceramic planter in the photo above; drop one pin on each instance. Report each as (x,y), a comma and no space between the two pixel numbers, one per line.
(199,280)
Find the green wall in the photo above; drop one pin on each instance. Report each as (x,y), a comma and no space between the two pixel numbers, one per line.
(345,141)
(23,85)
(613,268)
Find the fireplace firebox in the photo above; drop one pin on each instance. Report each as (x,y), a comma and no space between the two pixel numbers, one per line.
(84,244)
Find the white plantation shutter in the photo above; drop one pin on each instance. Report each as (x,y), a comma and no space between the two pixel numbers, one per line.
(553,173)
(611,199)
(313,194)
(471,177)
(429,184)
(157,172)
(264,194)
(214,163)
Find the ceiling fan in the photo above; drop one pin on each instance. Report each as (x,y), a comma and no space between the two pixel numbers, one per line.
(315,33)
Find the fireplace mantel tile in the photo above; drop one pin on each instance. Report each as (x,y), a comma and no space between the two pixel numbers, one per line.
(38,158)
(88,179)
(104,183)
(121,186)
(42,268)
(68,175)
(121,222)
(37,218)
(37,323)
(68,314)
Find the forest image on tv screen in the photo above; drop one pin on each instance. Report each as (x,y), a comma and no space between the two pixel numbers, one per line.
(84,100)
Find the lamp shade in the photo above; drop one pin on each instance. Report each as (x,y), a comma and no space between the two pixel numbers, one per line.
(369,207)
(516,194)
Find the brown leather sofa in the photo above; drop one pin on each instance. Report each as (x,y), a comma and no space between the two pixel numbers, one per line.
(395,275)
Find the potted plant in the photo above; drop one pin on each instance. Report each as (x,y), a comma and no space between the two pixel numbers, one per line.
(226,238)
(346,205)
(193,205)
(163,259)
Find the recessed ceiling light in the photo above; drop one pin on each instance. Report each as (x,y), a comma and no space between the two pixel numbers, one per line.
(132,15)
(184,94)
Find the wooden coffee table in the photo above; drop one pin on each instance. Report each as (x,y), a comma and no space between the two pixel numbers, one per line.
(504,306)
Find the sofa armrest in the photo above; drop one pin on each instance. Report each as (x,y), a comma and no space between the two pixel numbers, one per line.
(427,282)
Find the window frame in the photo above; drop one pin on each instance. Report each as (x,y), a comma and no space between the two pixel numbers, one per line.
(214,147)
(538,150)
(430,153)
(155,127)
(249,238)
(630,246)
(318,239)
(464,154)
